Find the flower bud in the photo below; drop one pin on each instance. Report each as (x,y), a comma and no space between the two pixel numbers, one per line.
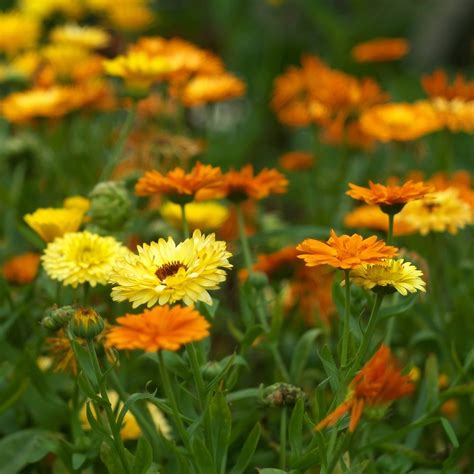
(258,280)
(56,318)
(86,323)
(282,395)
(110,205)
(210,370)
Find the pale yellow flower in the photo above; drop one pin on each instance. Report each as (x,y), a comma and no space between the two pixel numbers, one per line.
(82,257)
(165,272)
(130,428)
(199,215)
(88,37)
(50,222)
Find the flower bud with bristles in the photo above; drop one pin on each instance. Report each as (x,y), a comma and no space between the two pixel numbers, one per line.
(86,323)
(56,318)
(282,395)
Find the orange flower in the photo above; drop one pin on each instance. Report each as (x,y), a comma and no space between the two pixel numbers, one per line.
(244,184)
(388,196)
(377,384)
(371,217)
(344,251)
(400,121)
(179,185)
(162,327)
(21,269)
(380,50)
(296,161)
(437,85)
(206,88)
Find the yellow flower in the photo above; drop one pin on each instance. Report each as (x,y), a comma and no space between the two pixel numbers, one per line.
(45,8)
(80,257)
(130,428)
(164,272)
(389,276)
(18,32)
(441,211)
(88,37)
(77,202)
(456,115)
(64,58)
(200,215)
(50,222)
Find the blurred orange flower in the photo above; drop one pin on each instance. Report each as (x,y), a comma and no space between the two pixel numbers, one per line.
(380,50)
(456,115)
(400,121)
(21,269)
(437,85)
(162,327)
(296,161)
(379,383)
(344,251)
(179,185)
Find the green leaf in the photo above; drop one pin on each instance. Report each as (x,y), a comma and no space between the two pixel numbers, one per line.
(301,354)
(450,432)
(295,428)
(399,308)
(221,422)
(202,457)
(247,451)
(25,447)
(109,457)
(143,457)
(329,367)
(271,471)
(226,363)
(84,361)
(10,394)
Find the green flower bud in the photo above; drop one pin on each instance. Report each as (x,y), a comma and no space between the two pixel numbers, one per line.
(282,395)
(110,205)
(86,323)
(258,280)
(56,318)
(210,370)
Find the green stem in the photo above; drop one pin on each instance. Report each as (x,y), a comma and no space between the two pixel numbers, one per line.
(279,362)
(283,429)
(184,221)
(248,260)
(391,218)
(172,401)
(347,317)
(85,293)
(59,287)
(115,430)
(198,380)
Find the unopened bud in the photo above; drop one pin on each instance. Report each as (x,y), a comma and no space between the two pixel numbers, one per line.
(258,280)
(86,323)
(282,395)
(56,318)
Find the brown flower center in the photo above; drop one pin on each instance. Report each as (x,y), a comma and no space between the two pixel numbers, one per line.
(168,269)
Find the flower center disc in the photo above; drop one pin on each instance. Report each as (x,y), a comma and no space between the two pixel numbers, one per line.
(168,269)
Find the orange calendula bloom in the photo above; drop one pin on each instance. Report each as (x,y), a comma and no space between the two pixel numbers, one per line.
(400,121)
(162,327)
(296,161)
(380,50)
(345,251)
(179,185)
(379,383)
(388,196)
(21,269)
(244,184)
(437,85)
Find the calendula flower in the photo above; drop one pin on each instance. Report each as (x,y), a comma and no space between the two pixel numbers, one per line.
(50,222)
(166,272)
(47,8)
(130,428)
(441,211)
(456,115)
(81,257)
(21,269)
(88,37)
(296,161)
(203,89)
(19,32)
(20,107)
(346,252)
(129,15)
(437,85)
(163,327)
(63,58)
(180,186)
(238,185)
(372,217)
(389,198)
(77,202)
(380,50)
(199,215)
(377,385)
(400,121)
(389,276)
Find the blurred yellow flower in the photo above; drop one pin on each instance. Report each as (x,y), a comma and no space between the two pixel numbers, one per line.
(456,115)
(45,8)
(199,215)
(130,428)
(400,121)
(88,37)
(50,222)
(77,202)
(389,276)
(80,257)
(64,57)
(164,272)
(441,211)
(17,32)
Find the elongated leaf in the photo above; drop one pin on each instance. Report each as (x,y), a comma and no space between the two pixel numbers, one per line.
(301,354)
(221,421)
(84,362)
(329,367)
(399,308)
(450,432)
(143,457)
(10,394)
(248,450)
(203,460)
(295,428)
